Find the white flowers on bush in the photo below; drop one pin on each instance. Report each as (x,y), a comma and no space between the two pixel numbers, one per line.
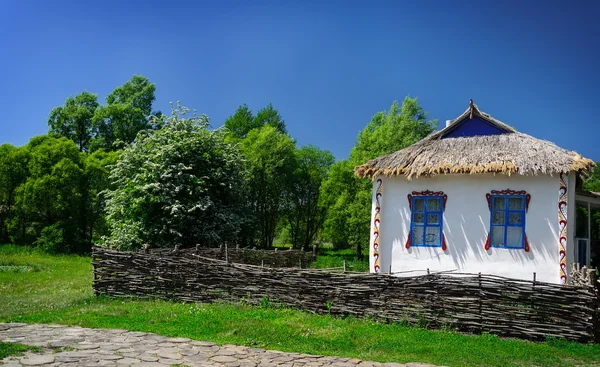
(180,185)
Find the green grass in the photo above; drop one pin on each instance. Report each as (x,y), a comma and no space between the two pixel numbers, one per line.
(13,349)
(31,281)
(272,328)
(328,258)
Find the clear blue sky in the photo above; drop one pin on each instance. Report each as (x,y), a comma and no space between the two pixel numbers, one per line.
(328,66)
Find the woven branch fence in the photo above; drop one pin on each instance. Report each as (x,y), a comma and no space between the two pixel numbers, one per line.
(272,259)
(467,302)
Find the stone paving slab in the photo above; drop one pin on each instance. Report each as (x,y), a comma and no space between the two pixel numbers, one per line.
(76,346)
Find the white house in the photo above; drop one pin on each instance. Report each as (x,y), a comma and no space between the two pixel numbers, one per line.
(478,196)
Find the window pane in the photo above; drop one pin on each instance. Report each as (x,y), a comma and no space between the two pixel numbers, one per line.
(514,237)
(419,204)
(433,219)
(419,218)
(432,237)
(515,218)
(417,238)
(499,203)
(515,203)
(497,236)
(433,205)
(498,218)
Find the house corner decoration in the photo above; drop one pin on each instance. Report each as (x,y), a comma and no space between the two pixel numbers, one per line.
(376,224)
(438,226)
(562,225)
(508,209)
(473,157)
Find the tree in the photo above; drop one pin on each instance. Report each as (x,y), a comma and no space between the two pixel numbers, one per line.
(243,121)
(126,113)
(13,172)
(96,175)
(337,192)
(52,195)
(270,116)
(592,183)
(306,216)
(74,120)
(390,131)
(180,185)
(348,198)
(271,162)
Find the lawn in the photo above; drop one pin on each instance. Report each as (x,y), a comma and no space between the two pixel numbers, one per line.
(34,282)
(48,292)
(329,258)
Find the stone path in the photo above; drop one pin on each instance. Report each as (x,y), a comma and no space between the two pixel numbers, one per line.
(77,346)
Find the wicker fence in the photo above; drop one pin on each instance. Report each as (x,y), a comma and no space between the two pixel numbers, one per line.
(467,302)
(267,258)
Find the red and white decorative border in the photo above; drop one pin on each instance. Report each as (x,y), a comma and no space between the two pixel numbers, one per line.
(562,227)
(376,224)
(488,197)
(427,193)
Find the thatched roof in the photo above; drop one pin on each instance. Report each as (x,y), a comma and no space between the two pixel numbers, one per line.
(508,152)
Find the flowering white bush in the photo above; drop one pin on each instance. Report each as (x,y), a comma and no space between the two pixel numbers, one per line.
(180,185)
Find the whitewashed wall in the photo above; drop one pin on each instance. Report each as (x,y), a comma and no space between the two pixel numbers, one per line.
(466,226)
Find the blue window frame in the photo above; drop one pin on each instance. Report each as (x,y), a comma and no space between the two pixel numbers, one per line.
(426,223)
(507,221)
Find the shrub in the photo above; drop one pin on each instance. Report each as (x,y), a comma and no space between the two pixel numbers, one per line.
(180,185)
(51,240)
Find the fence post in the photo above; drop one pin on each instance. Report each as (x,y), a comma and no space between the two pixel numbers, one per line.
(344,266)
(480,306)
(262,263)
(533,291)
(300,263)
(390,269)
(94,284)
(226,254)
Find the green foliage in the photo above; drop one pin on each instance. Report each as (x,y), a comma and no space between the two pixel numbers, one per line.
(51,194)
(61,293)
(97,171)
(270,116)
(126,113)
(67,194)
(75,119)
(336,196)
(390,131)
(243,121)
(305,216)
(270,160)
(348,198)
(283,184)
(55,196)
(13,172)
(593,181)
(180,185)
(50,183)
(51,240)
